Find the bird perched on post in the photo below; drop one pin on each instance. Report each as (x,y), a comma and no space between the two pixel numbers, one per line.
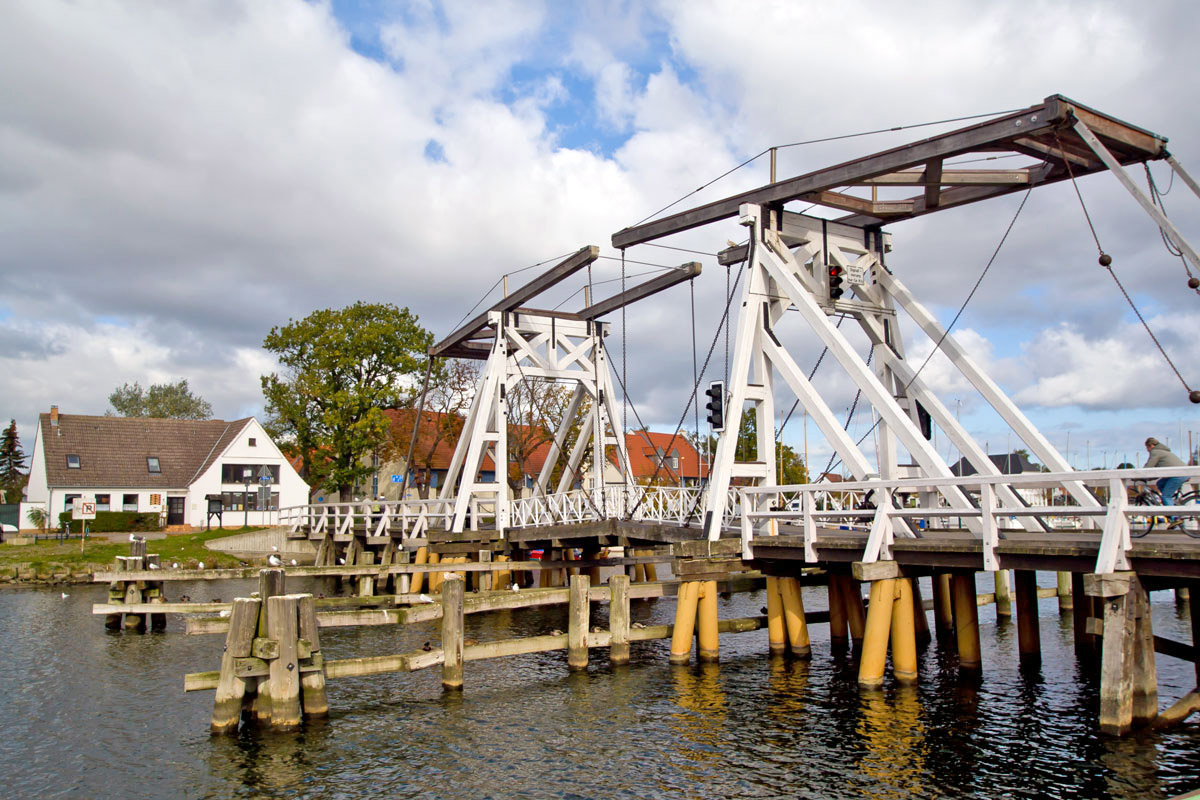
(274,560)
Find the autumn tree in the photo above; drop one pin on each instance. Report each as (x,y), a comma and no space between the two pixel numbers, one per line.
(534,411)
(339,369)
(12,461)
(161,400)
(451,389)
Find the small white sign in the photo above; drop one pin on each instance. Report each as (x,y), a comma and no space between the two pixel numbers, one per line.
(83,509)
(856,274)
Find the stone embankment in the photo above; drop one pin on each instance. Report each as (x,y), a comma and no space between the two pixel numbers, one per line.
(47,574)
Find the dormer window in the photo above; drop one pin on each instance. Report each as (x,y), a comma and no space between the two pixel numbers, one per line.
(72,461)
(152,465)
(253,442)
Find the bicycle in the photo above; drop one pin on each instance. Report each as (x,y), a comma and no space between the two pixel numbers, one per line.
(1150,496)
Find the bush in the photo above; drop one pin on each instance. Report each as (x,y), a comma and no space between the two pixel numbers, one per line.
(112,522)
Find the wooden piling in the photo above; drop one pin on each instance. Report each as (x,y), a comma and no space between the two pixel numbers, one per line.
(776,632)
(579,615)
(920,621)
(904,639)
(856,615)
(966,622)
(1004,606)
(1028,627)
(484,579)
(366,583)
(685,622)
(793,614)
(1194,613)
(837,613)
(708,646)
(943,605)
(271,583)
(153,593)
(1145,675)
(1087,645)
(452,632)
(418,579)
(877,630)
(403,580)
(227,706)
(435,578)
(618,619)
(284,669)
(1065,598)
(312,683)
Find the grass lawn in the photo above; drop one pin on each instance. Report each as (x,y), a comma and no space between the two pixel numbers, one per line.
(183,548)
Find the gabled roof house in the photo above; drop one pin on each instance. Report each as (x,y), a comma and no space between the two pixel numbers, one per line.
(165,466)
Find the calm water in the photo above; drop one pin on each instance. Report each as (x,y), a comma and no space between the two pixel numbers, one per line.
(87,713)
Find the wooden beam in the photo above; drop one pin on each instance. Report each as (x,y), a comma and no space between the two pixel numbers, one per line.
(653,286)
(950,177)
(933,182)
(556,274)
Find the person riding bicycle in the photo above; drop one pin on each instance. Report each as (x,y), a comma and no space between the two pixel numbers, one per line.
(1161,456)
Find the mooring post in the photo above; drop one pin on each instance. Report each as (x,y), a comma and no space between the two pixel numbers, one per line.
(837,613)
(312,679)
(484,583)
(920,621)
(1028,628)
(878,629)
(154,593)
(403,580)
(116,594)
(1145,674)
(435,578)
(685,622)
(133,589)
(284,668)
(1117,649)
(366,583)
(271,582)
(452,632)
(1004,607)
(618,618)
(231,688)
(1065,598)
(966,621)
(793,614)
(708,645)
(578,620)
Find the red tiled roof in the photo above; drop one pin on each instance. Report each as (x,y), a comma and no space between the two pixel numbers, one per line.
(643,456)
(113,450)
(401,420)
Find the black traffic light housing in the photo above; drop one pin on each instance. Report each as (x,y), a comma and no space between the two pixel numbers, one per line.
(835,282)
(716,405)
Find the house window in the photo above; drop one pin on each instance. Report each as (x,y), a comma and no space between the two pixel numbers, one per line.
(253,442)
(235,473)
(102,502)
(69,501)
(153,465)
(72,461)
(129,502)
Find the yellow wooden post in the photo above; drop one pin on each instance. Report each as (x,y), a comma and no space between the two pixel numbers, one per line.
(793,613)
(856,615)
(837,613)
(904,640)
(877,630)
(708,648)
(943,614)
(775,630)
(920,621)
(966,622)
(435,578)
(418,578)
(685,622)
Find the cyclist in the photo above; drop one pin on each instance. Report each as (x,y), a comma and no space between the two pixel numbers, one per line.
(1161,456)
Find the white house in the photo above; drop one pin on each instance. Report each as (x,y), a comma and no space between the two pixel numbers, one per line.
(165,466)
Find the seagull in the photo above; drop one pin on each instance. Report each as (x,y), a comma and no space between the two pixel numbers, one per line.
(341,561)
(65,595)
(293,562)
(556,632)
(153,566)
(637,625)
(274,560)
(224,612)
(174,565)
(425,598)
(274,549)
(200,565)
(515,588)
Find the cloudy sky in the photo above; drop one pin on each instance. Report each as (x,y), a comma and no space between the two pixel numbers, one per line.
(177,178)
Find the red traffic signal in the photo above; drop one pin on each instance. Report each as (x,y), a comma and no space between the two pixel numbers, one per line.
(835,282)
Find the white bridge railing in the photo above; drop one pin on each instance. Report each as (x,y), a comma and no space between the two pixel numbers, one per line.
(764,508)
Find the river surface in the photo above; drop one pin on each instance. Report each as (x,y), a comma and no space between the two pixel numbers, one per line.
(93,714)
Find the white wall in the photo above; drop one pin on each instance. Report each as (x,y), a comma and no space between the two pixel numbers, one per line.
(293,491)
(35,490)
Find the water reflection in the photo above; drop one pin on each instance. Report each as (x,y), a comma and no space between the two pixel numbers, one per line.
(893,734)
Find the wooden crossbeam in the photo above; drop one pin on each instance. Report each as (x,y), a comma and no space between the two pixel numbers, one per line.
(633,294)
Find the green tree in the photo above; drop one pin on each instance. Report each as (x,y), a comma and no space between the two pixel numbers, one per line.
(12,461)
(161,400)
(341,368)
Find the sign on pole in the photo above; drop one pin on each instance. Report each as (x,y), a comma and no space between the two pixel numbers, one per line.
(264,498)
(83,509)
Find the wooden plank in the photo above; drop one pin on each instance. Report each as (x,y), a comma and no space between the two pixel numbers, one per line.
(313,697)
(227,705)
(653,286)
(284,679)
(559,272)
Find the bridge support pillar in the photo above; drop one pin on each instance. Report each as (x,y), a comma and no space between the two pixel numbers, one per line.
(418,578)
(708,646)
(878,629)
(1128,682)
(856,614)
(943,606)
(793,613)
(685,622)
(776,635)
(920,621)
(837,614)
(1064,592)
(1028,628)
(1004,606)
(966,622)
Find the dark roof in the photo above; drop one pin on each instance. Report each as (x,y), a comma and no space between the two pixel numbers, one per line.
(113,450)
(1007,463)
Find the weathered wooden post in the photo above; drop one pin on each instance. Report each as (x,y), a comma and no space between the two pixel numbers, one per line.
(618,618)
(153,593)
(484,582)
(312,679)
(133,589)
(403,580)
(284,669)
(578,620)
(366,583)
(1064,592)
(708,646)
(452,632)
(793,615)
(1083,609)
(231,687)
(1028,627)
(966,621)
(1004,608)
(1128,685)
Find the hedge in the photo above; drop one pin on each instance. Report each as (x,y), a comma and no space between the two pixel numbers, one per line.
(112,522)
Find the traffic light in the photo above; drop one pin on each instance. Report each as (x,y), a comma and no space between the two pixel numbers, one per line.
(716,405)
(835,282)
